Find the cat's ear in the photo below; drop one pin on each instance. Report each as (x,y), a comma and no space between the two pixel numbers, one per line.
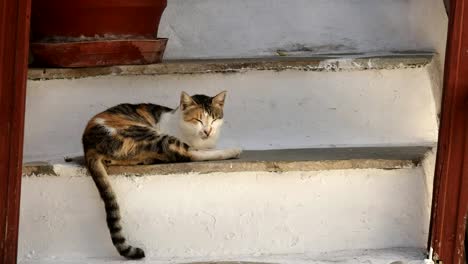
(186,101)
(218,100)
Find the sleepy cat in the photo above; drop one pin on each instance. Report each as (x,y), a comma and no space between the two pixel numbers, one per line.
(133,134)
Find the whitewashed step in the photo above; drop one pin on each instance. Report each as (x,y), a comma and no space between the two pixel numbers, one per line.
(312,201)
(226,28)
(376,256)
(285,102)
(302,61)
(279,160)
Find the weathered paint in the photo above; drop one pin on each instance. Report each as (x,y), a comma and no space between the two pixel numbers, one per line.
(374,256)
(265,160)
(263,110)
(246,28)
(222,215)
(350,62)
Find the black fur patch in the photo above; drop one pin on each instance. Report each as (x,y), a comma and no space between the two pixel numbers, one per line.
(139,133)
(98,137)
(115,228)
(157,110)
(206,103)
(123,109)
(126,251)
(118,240)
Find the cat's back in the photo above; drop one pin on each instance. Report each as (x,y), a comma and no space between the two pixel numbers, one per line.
(144,112)
(124,116)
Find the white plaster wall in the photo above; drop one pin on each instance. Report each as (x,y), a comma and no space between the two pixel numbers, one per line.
(248,28)
(227,214)
(430,25)
(264,109)
(428,165)
(429,22)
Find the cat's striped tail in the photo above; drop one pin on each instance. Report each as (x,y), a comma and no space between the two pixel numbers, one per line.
(101,179)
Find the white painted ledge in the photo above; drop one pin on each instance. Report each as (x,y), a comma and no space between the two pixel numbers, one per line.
(221,216)
(375,256)
(227,28)
(287,61)
(281,202)
(267,160)
(284,103)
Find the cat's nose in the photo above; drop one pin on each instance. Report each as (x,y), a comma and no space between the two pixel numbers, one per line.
(207,131)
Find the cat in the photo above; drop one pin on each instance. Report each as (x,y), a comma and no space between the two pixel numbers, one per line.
(137,134)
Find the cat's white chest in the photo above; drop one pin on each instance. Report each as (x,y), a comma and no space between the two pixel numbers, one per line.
(167,125)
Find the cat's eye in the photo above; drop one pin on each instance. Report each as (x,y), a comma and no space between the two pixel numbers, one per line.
(214,120)
(201,122)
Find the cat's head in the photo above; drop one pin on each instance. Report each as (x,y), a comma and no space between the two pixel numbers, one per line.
(202,116)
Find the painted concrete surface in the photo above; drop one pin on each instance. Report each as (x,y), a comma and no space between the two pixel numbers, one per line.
(245,28)
(288,61)
(264,160)
(264,109)
(219,215)
(430,22)
(375,256)
(428,164)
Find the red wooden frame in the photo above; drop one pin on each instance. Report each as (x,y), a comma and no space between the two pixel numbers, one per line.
(450,200)
(14,42)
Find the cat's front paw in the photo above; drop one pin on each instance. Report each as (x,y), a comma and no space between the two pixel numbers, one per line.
(234,153)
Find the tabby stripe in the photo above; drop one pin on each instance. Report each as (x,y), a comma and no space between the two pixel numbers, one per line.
(115,228)
(171,140)
(125,251)
(159,146)
(112,218)
(185,146)
(118,240)
(112,206)
(139,133)
(108,195)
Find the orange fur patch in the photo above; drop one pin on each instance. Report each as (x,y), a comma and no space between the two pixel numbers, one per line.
(146,115)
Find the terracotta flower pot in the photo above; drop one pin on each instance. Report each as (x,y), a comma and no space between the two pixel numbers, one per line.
(83,33)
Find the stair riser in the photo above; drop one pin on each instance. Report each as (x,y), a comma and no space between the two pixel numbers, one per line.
(264,109)
(228,214)
(226,28)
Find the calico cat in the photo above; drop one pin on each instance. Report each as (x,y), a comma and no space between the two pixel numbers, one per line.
(133,134)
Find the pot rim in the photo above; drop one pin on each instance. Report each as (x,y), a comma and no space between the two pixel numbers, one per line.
(97,41)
